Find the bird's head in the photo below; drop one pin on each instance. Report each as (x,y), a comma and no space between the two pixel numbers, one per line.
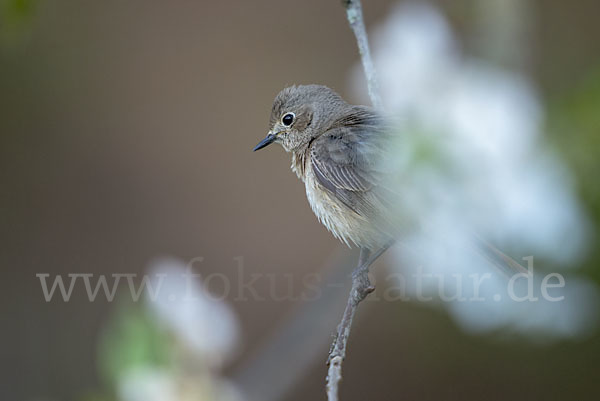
(300,114)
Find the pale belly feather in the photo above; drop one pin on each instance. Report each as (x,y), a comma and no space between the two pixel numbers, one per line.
(344,223)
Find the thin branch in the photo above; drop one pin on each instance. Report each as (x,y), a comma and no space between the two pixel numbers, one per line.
(355,19)
(308,327)
(361,285)
(361,288)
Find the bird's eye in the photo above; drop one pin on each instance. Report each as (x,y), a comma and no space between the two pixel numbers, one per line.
(288,119)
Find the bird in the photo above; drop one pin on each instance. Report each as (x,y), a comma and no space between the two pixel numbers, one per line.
(336,151)
(339,151)
(336,148)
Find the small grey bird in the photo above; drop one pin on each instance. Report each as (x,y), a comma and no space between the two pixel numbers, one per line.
(335,150)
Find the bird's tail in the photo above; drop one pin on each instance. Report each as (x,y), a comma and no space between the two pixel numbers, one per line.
(499,259)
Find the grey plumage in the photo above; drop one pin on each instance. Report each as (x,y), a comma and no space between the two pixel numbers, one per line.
(335,150)
(339,152)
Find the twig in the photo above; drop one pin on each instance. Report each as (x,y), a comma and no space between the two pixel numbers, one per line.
(361,288)
(361,285)
(308,327)
(356,21)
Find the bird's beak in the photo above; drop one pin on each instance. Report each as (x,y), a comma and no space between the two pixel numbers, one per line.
(269,139)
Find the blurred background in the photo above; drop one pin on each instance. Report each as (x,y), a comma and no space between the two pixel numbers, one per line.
(126,130)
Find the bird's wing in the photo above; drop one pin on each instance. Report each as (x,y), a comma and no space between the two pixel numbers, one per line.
(344,160)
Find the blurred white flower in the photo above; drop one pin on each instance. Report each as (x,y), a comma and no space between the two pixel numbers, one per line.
(155,384)
(147,384)
(204,324)
(471,159)
(205,333)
